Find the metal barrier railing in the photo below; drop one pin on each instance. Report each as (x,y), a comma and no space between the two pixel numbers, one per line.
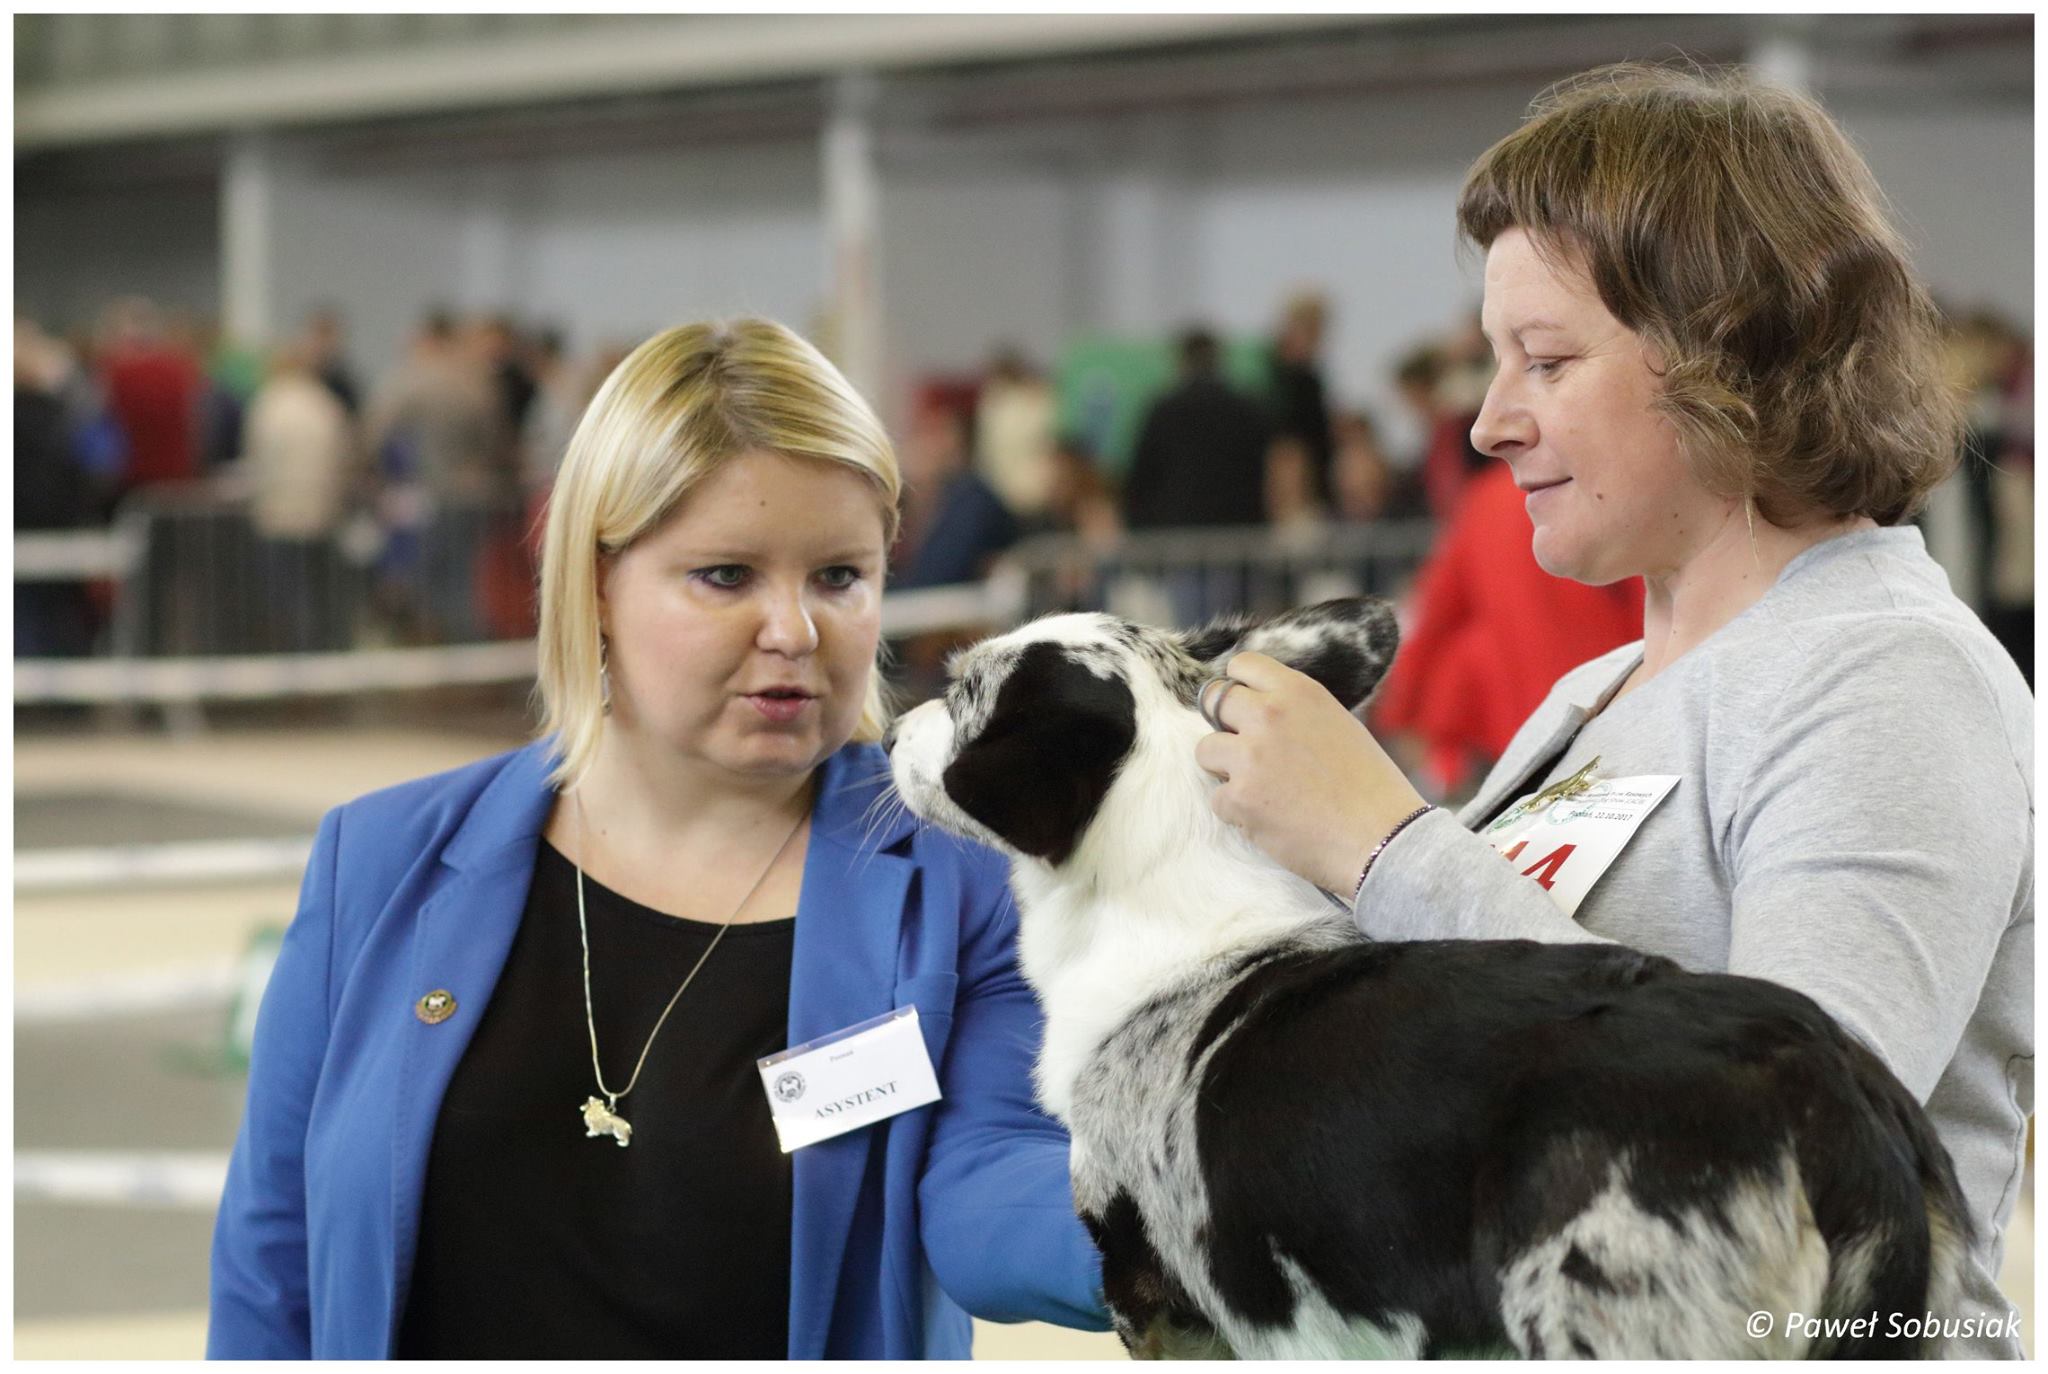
(207,609)
(207,581)
(1185,577)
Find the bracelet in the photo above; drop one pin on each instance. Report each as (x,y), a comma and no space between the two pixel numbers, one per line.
(1417,814)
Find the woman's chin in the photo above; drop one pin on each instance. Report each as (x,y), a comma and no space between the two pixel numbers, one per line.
(776,754)
(1576,560)
(1559,557)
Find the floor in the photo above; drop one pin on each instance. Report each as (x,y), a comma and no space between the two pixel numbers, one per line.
(127,1090)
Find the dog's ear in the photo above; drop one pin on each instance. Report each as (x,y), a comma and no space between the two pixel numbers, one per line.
(1044,760)
(1346,645)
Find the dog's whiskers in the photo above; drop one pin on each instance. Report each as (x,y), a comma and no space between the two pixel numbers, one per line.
(882,814)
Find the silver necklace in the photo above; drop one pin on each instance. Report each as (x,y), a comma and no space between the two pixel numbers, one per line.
(601,1118)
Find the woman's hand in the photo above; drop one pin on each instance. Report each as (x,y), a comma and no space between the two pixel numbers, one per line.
(1301,775)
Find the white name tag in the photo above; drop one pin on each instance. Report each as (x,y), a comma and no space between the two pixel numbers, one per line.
(848,1079)
(1566,844)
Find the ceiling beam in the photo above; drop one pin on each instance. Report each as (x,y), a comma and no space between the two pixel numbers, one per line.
(660,53)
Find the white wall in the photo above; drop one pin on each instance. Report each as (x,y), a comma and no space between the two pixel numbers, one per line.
(1221,215)
(77,249)
(1962,185)
(604,247)
(382,249)
(1132,224)
(624,246)
(971,261)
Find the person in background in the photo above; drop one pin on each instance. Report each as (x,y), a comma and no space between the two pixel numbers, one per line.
(1081,504)
(51,492)
(558,401)
(1301,410)
(1015,418)
(1819,760)
(1082,501)
(1454,458)
(1363,485)
(154,387)
(437,438)
(1201,452)
(299,463)
(153,391)
(2009,607)
(434,417)
(955,522)
(93,430)
(1992,363)
(1415,381)
(496,340)
(231,375)
(326,345)
(1295,514)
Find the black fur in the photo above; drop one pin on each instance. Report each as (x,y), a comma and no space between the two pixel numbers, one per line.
(1044,761)
(1154,1315)
(1344,644)
(1448,1104)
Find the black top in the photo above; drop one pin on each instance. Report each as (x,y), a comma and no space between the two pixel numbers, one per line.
(1301,410)
(537,1241)
(1200,459)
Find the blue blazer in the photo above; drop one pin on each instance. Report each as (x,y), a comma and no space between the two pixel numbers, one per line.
(898,1227)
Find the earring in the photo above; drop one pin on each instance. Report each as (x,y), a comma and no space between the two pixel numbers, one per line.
(604,674)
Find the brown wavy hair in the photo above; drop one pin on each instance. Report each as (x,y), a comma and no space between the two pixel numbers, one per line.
(1732,225)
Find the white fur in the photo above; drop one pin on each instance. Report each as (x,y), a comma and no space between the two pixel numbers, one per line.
(1158,888)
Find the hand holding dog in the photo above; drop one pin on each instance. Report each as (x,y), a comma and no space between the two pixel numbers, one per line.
(1301,775)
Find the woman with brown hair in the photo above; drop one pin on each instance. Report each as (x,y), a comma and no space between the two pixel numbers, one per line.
(1716,372)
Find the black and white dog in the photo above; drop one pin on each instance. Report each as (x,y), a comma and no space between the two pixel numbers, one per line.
(1289,1141)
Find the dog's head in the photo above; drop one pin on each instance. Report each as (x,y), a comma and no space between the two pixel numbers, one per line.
(1038,725)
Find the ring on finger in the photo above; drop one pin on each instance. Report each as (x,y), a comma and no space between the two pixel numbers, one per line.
(1212,710)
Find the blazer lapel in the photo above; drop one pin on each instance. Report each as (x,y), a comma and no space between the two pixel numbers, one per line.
(849,917)
(465,931)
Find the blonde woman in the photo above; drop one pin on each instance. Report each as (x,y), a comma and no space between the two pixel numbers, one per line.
(505,1096)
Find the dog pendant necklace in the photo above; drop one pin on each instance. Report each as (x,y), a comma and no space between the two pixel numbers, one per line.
(601,1117)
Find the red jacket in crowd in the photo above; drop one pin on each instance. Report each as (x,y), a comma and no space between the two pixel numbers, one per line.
(1491,632)
(154,394)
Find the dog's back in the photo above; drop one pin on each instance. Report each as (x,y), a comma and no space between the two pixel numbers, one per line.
(1457,1147)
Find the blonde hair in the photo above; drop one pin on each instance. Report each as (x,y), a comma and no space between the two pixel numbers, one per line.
(1732,225)
(681,405)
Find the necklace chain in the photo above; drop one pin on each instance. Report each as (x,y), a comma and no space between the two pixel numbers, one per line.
(583,929)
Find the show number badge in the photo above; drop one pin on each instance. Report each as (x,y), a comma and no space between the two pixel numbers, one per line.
(1565,836)
(848,1079)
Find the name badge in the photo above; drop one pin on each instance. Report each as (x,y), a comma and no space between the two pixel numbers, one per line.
(1566,840)
(848,1079)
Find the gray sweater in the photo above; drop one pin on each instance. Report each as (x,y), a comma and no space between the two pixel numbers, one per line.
(1855,820)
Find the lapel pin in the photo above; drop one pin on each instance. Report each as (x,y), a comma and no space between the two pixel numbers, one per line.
(436,1007)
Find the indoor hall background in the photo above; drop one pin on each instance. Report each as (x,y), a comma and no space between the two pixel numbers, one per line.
(916,192)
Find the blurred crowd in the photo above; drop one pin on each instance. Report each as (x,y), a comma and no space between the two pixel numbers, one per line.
(987,462)
(1989,551)
(429,480)
(459,438)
